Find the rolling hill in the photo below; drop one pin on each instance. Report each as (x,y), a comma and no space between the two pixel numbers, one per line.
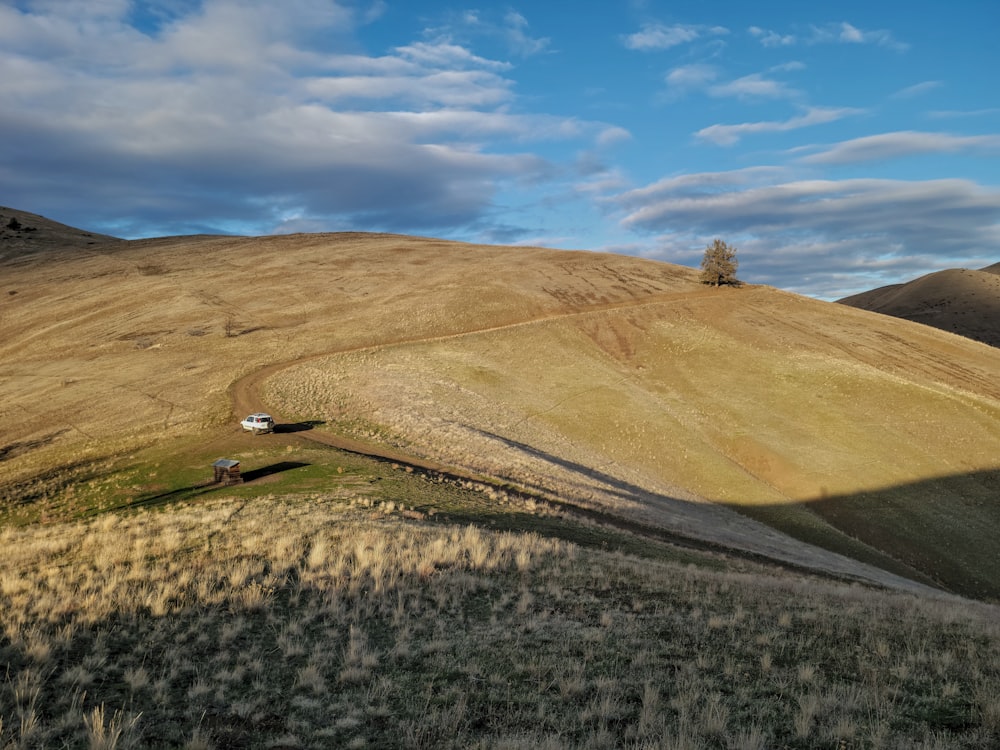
(749,418)
(24,234)
(961,301)
(517,498)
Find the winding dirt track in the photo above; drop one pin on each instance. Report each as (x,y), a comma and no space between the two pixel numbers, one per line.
(246,398)
(245,393)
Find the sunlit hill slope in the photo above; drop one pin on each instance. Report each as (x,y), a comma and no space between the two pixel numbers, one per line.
(613,383)
(958,300)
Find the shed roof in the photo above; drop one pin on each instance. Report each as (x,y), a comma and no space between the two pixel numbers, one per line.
(226,463)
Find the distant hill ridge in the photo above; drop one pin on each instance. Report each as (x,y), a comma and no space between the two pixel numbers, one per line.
(23,233)
(958,300)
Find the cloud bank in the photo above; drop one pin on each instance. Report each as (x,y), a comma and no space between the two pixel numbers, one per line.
(874,229)
(238,116)
(897,145)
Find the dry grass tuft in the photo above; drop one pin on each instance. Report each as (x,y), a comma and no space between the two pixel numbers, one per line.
(377,631)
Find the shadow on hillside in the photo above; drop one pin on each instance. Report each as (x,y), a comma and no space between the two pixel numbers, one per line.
(943,530)
(298,426)
(207,486)
(167,613)
(266,471)
(181,493)
(17,448)
(611,484)
(681,522)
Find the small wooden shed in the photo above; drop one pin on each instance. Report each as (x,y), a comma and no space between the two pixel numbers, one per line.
(227,471)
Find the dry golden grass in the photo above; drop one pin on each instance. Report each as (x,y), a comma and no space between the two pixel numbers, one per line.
(614,382)
(959,300)
(776,423)
(634,412)
(324,622)
(125,343)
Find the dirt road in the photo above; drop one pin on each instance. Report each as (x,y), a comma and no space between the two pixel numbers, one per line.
(738,537)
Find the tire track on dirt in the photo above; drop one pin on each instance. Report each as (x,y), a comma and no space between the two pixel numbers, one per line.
(244,392)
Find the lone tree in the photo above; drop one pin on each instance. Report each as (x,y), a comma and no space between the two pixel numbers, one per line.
(719,264)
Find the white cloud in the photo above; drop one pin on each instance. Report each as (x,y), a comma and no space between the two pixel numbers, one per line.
(612,134)
(900,144)
(602,183)
(693,185)
(246,114)
(772,38)
(754,86)
(447,88)
(443,54)
(917,89)
(840,33)
(846,33)
(376,9)
(690,77)
(787,67)
(728,135)
(951,114)
(842,208)
(516,32)
(849,33)
(512,29)
(699,76)
(656,36)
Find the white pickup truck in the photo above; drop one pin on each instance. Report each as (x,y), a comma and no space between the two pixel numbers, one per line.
(258,424)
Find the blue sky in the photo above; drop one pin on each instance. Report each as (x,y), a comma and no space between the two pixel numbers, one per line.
(839,146)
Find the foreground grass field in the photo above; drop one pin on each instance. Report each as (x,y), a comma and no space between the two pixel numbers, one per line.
(334,620)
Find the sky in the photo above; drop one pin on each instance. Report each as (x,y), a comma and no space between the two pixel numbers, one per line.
(839,146)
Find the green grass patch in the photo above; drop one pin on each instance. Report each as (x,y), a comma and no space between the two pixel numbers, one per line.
(164,476)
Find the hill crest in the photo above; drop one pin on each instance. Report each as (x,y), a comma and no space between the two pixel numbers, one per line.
(961,301)
(24,234)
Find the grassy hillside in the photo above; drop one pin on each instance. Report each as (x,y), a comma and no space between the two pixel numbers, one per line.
(616,383)
(23,235)
(961,301)
(766,402)
(589,517)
